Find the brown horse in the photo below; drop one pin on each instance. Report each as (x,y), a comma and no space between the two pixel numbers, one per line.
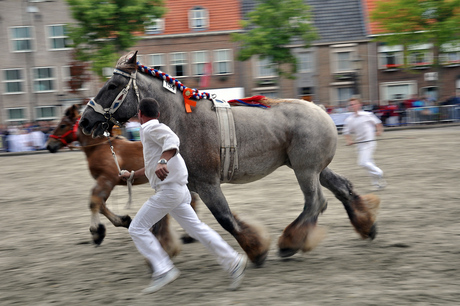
(104,170)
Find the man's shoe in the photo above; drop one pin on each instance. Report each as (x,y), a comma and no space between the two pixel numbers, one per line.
(162,280)
(237,273)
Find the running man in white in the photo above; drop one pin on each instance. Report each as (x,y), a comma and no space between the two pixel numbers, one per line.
(165,168)
(364,126)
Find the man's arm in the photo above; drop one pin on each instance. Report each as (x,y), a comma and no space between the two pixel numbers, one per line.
(162,169)
(348,139)
(137,174)
(379,129)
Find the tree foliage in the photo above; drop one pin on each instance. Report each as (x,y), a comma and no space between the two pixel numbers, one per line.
(409,22)
(271,27)
(104,29)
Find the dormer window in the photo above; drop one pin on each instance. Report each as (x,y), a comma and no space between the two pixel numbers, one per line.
(198,18)
(156,26)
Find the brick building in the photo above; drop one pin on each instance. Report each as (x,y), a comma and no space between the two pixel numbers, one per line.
(34,66)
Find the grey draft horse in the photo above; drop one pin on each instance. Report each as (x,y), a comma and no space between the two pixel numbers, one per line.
(293,133)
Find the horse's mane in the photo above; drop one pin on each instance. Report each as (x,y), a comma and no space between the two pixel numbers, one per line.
(126,62)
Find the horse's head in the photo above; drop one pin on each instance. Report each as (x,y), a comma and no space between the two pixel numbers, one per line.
(116,102)
(66,131)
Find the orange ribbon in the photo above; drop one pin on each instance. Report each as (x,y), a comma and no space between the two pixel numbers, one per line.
(187,93)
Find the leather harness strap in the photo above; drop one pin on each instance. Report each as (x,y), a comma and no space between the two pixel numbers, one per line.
(228,143)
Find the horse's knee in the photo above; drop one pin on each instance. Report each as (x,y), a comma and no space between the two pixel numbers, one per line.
(95,204)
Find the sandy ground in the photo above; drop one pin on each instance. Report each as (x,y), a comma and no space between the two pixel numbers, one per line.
(47,258)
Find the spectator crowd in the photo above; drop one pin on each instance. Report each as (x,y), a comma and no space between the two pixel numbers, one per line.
(30,136)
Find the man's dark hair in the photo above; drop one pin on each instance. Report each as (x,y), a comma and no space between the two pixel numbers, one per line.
(149,107)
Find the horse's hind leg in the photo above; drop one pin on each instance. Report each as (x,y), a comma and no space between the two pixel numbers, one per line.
(255,241)
(186,238)
(362,210)
(166,236)
(303,233)
(100,193)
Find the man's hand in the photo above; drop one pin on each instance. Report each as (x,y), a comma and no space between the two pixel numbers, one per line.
(162,171)
(125,175)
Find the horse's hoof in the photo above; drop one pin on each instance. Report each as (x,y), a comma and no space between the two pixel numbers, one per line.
(186,239)
(259,260)
(125,221)
(98,234)
(286,252)
(373,231)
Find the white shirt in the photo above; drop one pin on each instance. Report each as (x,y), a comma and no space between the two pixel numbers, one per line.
(362,125)
(156,138)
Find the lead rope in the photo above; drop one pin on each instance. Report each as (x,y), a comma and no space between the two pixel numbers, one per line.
(131,177)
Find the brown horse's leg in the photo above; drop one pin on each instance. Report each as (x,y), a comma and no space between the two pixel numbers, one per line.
(166,236)
(100,193)
(362,210)
(254,240)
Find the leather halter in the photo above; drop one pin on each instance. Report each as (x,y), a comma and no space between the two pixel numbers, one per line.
(72,132)
(109,111)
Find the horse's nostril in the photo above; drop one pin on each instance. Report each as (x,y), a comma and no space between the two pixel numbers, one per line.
(83,123)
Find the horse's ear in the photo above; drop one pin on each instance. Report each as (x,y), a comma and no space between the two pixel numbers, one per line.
(72,112)
(128,61)
(133,59)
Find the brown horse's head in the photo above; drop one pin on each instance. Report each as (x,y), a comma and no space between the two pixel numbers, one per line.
(66,131)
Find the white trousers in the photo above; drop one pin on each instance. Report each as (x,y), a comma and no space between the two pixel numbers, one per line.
(366,160)
(175,200)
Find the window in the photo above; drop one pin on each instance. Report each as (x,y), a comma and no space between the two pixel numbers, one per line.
(391,57)
(46,112)
(58,40)
(343,95)
(157,61)
(178,63)
(43,79)
(420,55)
(199,60)
(304,62)
(390,91)
(198,18)
(16,114)
(13,80)
(268,94)
(265,68)
(21,38)
(223,61)
(343,61)
(156,26)
(450,54)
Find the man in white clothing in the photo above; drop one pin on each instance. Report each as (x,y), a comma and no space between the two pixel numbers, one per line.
(364,126)
(167,173)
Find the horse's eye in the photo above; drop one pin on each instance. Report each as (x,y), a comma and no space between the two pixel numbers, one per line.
(63,126)
(112,86)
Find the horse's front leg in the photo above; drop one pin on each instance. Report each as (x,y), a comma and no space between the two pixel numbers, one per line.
(99,195)
(255,241)
(303,233)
